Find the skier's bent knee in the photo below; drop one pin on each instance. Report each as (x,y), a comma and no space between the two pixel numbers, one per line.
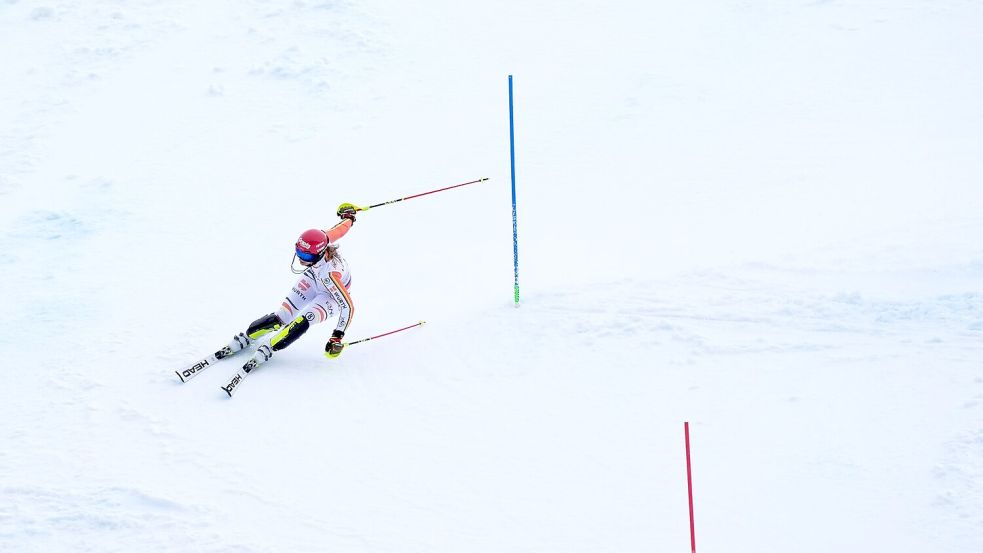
(289,335)
(264,325)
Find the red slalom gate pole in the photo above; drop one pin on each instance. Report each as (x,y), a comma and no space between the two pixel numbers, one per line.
(689,484)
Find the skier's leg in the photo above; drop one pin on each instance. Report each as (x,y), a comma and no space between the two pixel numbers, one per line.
(296,301)
(264,325)
(299,298)
(290,333)
(258,328)
(283,337)
(293,304)
(317,311)
(238,343)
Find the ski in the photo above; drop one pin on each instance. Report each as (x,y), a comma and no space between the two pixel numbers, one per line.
(240,375)
(196,369)
(265,351)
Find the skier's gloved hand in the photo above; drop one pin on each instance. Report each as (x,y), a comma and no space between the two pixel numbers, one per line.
(347,211)
(334,346)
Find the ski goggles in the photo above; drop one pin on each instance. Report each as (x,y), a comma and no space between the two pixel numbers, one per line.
(308,257)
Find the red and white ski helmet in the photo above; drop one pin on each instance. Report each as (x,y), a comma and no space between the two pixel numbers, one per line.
(311,245)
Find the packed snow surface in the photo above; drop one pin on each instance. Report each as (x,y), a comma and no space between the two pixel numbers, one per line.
(761,217)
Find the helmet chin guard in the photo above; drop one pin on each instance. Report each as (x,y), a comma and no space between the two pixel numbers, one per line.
(295,270)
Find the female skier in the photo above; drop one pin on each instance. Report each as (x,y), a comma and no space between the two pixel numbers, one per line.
(320,294)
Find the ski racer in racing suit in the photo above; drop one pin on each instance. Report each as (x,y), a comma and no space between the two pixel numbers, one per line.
(320,294)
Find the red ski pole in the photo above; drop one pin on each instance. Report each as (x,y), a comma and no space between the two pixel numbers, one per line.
(357,208)
(385,334)
(326,354)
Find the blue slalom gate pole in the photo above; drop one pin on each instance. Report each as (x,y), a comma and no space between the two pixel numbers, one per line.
(515,233)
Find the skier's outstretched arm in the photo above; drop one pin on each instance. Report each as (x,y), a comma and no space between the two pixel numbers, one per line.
(336,232)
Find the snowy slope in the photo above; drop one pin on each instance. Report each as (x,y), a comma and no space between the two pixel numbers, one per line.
(759,217)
